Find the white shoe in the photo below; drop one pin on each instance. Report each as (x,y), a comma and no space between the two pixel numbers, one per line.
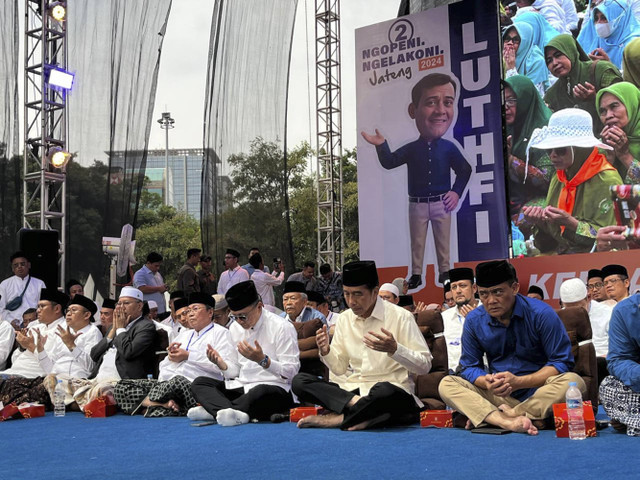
(199,414)
(229,417)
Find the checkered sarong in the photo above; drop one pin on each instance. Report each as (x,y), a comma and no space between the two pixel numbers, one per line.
(130,393)
(621,404)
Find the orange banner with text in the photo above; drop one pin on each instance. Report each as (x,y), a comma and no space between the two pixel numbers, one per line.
(546,272)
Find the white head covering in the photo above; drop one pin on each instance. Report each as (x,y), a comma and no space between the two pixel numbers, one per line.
(131,292)
(573,290)
(221,302)
(152,304)
(569,127)
(390,287)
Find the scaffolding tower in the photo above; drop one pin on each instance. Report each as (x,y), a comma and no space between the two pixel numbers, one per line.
(329,133)
(45,120)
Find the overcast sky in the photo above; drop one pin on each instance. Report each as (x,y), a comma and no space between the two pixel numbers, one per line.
(181,80)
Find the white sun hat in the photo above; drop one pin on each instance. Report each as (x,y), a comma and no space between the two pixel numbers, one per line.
(569,127)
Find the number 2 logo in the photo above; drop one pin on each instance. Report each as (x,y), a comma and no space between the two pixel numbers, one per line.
(401,31)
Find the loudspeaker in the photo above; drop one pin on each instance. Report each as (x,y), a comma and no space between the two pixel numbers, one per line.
(41,248)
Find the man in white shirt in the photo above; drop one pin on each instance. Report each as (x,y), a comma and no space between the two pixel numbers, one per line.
(127,351)
(173,320)
(24,380)
(20,284)
(187,359)
(383,345)
(265,281)
(234,273)
(320,303)
(7,340)
(463,288)
(390,293)
(573,293)
(268,356)
(549,9)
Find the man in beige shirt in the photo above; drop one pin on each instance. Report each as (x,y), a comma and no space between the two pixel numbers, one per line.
(380,348)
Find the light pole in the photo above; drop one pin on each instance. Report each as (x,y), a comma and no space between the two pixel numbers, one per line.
(166,123)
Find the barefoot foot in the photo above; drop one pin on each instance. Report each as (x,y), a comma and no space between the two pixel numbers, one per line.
(331,420)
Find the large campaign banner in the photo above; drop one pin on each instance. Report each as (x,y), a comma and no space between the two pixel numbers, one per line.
(431,180)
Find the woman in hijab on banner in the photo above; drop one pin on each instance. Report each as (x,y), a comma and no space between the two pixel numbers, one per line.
(615,27)
(631,62)
(579,198)
(528,181)
(579,79)
(543,32)
(619,107)
(522,57)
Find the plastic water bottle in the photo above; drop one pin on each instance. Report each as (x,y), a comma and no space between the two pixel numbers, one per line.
(575,413)
(58,400)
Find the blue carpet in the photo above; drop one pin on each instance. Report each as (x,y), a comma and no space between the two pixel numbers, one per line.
(162,448)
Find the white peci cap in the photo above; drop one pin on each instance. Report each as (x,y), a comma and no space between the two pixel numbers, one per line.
(390,287)
(131,292)
(573,290)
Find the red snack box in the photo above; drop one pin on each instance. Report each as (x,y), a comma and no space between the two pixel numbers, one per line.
(296,414)
(31,410)
(562,423)
(100,407)
(436,418)
(10,411)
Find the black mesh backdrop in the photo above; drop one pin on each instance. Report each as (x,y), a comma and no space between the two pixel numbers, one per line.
(245,94)
(10,164)
(114,49)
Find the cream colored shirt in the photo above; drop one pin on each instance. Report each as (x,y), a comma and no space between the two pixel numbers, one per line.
(369,367)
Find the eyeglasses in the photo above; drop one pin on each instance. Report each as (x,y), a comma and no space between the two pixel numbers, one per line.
(18,264)
(42,306)
(242,317)
(496,292)
(593,286)
(561,151)
(73,310)
(611,281)
(510,102)
(514,39)
(196,309)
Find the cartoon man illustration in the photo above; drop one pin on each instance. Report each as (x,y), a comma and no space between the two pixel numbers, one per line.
(429,161)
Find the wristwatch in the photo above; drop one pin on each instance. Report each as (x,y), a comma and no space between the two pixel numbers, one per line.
(264,363)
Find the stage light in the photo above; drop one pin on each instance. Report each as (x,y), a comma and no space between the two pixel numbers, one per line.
(58,11)
(60,79)
(58,157)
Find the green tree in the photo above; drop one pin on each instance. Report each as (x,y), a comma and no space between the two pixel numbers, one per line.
(257,216)
(350,206)
(170,233)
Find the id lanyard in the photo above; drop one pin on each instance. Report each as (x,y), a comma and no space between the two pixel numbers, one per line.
(199,336)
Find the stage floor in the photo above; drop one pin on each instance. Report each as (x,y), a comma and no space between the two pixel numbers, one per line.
(75,447)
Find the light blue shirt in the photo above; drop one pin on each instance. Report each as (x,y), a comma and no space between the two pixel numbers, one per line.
(624,342)
(146,278)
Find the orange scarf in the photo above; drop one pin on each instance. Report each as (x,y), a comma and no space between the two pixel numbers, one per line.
(593,165)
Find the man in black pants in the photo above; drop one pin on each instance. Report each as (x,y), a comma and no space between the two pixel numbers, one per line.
(268,357)
(385,349)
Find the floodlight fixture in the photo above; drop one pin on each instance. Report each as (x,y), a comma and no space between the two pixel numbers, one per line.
(61,79)
(58,157)
(58,11)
